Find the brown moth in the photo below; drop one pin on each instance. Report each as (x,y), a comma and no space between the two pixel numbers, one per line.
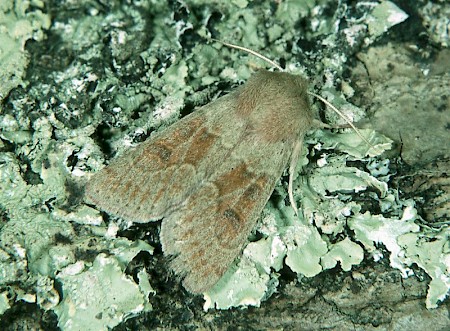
(209,175)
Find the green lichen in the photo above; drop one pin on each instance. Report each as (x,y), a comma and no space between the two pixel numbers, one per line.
(81,310)
(19,22)
(372,229)
(385,15)
(29,239)
(431,252)
(52,151)
(305,251)
(242,285)
(435,20)
(352,144)
(407,245)
(4,302)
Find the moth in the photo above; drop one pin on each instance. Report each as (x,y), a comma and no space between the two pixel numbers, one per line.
(209,175)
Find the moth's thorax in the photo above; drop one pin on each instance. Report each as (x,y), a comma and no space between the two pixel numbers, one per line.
(277,104)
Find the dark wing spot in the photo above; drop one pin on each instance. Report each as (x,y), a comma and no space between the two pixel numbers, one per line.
(233,218)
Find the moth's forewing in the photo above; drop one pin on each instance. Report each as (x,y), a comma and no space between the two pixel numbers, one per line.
(146,182)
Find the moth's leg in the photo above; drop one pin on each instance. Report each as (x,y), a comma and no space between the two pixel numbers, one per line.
(321,125)
(296,152)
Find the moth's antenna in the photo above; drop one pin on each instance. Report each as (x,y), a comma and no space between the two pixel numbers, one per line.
(248,50)
(276,65)
(342,115)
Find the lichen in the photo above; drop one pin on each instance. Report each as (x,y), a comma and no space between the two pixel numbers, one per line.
(81,310)
(383,16)
(430,251)
(19,22)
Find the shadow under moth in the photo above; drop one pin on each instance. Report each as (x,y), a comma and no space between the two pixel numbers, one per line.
(209,175)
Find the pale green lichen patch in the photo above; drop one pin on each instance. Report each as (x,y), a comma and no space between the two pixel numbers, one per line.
(12,186)
(336,177)
(346,252)
(116,297)
(431,252)
(125,250)
(305,250)
(19,22)
(244,285)
(385,15)
(4,302)
(436,20)
(253,279)
(28,241)
(145,288)
(172,80)
(267,253)
(407,245)
(352,144)
(374,229)
(81,215)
